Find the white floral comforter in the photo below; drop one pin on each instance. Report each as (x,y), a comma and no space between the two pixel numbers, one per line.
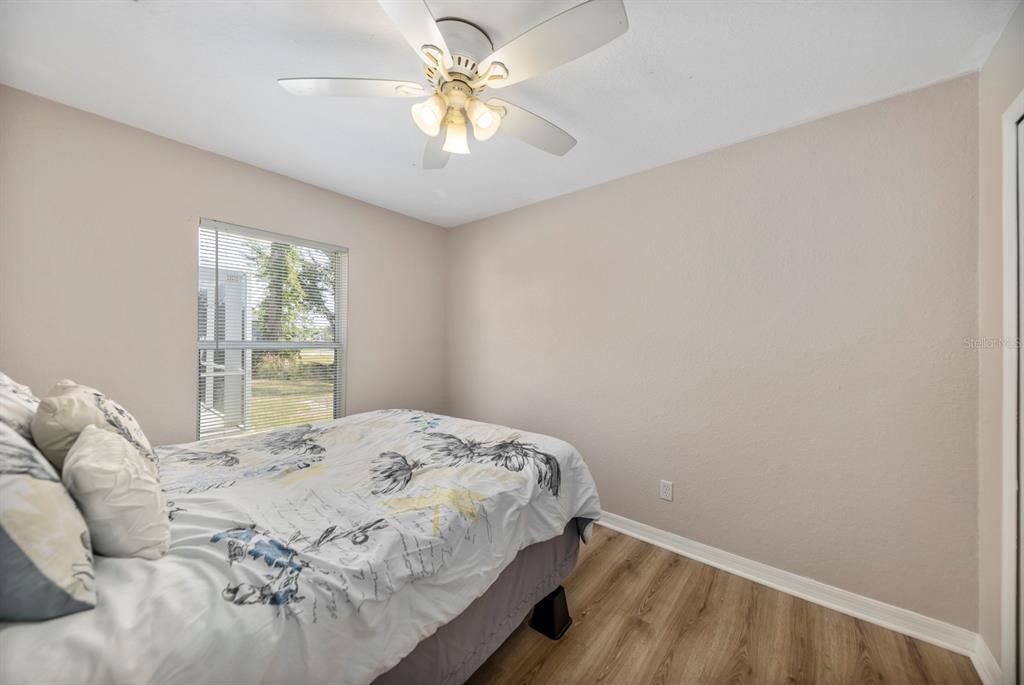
(319,553)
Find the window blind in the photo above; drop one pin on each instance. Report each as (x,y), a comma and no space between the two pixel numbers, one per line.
(271,315)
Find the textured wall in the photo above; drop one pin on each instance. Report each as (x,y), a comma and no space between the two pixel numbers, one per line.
(1000,81)
(98,247)
(776,326)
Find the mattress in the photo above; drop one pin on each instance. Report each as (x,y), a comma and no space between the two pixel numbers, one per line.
(452,654)
(314,553)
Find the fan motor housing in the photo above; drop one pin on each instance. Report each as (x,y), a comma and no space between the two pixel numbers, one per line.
(467,44)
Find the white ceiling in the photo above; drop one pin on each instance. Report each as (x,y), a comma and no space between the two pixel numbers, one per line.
(686,78)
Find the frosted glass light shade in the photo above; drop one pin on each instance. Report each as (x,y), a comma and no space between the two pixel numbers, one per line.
(485,120)
(455,139)
(429,114)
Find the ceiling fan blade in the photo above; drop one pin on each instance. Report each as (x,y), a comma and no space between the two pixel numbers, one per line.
(433,156)
(559,40)
(415,22)
(532,129)
(353,87)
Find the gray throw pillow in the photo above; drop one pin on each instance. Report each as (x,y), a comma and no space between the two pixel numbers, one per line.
(45,552)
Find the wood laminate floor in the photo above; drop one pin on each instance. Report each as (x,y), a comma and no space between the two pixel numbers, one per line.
(644,615)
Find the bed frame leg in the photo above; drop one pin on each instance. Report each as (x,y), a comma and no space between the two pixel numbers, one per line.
(551,615)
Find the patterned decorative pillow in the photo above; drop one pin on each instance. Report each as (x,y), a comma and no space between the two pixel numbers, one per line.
(17,406)
(69,408)
(118,492)
(45,551)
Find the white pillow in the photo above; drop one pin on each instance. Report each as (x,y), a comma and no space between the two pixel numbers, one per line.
(118,491)
(70,407)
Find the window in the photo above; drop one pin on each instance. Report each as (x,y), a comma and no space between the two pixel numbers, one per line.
(271,333)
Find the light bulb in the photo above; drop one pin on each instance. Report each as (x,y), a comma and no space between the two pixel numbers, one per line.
(429,113)
(455,139)
(485,120)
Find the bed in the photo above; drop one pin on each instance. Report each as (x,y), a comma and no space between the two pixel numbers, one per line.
(392,546)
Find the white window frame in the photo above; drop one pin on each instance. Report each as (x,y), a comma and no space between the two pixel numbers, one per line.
(338,345)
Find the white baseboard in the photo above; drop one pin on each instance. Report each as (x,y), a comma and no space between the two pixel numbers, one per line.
(933,631)
(986,665)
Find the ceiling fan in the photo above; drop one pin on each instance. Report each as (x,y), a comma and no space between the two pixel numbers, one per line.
(461,63)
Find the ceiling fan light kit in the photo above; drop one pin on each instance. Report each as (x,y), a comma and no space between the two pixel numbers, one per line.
(460,64)
(486,121)
(455,140)
(429,114)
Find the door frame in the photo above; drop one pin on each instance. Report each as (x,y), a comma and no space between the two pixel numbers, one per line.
(1011,389)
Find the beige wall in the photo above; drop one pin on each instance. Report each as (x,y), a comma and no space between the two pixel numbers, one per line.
(98,242)
(999,82)
(776,326)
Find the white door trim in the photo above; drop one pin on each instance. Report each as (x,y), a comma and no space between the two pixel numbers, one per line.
(1010,380)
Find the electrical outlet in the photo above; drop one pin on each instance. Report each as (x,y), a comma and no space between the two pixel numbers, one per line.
(666,490)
